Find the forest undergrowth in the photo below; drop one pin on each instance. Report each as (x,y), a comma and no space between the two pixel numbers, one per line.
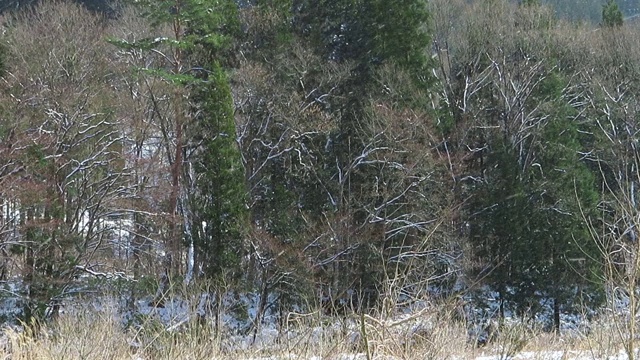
(97,331)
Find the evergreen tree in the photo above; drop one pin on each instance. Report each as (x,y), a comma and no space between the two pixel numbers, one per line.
(528,224)
(219,205)
(368,36)
(611,15)
(203,133)
(323,167)
(369,32)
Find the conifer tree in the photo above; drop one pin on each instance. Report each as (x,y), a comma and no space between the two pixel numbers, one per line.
(370,33)
(367,36)
(218,206)
(528,224)
(611,15)
(200,147)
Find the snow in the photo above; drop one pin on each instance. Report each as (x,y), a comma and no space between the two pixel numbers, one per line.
(553,355)
(527,355)
(239,311)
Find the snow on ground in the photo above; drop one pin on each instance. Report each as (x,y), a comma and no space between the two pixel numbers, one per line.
(527,355)
(360,356)
(554,355)
(238,314)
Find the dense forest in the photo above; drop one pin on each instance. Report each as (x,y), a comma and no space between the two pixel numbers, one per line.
(328,153)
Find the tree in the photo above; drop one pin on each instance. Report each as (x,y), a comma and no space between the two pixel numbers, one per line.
(200,33)
(64,148)
(321,136)
(611,15)
(218,208)
(512,126)
(528,214)
(612,108)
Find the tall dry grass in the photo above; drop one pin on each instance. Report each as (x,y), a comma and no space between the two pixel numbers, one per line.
(89,334)
(431,333)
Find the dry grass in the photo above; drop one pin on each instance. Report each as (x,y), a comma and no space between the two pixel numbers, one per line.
(83,336)
(427,334)
(90,334)
(87,334)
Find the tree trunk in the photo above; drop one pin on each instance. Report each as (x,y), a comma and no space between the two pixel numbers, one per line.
(264,294)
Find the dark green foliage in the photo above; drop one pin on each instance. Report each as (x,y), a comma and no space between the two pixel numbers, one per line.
(367,36)
(220,199)
(3,60)
(611,15)
(206,28)
(322,169)
(369,32)
(212,28)
(272,34)
(528,225)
